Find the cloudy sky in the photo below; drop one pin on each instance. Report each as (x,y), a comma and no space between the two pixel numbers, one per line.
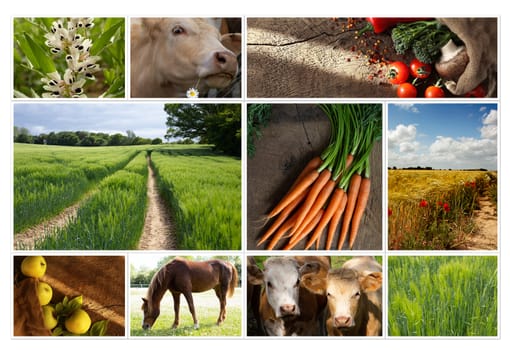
(145,119)
(443,136)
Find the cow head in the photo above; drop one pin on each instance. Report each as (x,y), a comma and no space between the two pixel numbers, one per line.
(184,53)
(345,289)
(281,279)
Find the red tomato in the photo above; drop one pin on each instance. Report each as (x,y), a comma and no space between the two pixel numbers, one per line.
(478,91)
(406,90)
(419,69)
(434,91)
(398,72)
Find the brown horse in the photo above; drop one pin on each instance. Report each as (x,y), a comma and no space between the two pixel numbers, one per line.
(181,276)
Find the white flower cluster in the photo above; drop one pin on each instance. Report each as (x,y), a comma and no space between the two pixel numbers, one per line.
(67,40)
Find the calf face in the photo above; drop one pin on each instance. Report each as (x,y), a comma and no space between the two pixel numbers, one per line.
(171,55)
(281,281)
(346,291)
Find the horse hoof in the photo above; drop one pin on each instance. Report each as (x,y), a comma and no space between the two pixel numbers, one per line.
(196,326)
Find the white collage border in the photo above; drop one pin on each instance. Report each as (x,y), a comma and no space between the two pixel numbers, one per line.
(243,253)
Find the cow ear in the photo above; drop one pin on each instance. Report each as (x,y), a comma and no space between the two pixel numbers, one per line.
(311,279)
(370,281)
(232,41)
(255,275)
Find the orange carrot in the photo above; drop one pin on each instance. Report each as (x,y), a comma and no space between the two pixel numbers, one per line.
(361,204)
(317,205)
(305,182)
(287,225)
(332,207)
(313,164)
(305,231)
(314,198)
(281,218)
(335,220)
(352,195)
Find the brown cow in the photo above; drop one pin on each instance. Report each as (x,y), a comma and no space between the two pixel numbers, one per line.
(171,55)
(354,297)
(286,308)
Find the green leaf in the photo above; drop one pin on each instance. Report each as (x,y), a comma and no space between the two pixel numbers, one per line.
(19,94)
(42,59)
(27,51)
(99,328)
(99,44)
(75,303)
(57,331)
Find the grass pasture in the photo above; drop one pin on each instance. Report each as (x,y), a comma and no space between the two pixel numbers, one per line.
(204,193)
(207,308)
(442,296)
(203,190)
(47,179)
(434,209)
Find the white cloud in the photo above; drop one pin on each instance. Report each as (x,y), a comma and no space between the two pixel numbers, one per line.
(408,107)
(462,152)
(403,137)
(489,130)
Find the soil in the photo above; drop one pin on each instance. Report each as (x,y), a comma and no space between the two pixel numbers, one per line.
(26,239)
(486,221)
(158,229)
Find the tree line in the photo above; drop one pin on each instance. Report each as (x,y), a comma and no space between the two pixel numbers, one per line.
(82,138)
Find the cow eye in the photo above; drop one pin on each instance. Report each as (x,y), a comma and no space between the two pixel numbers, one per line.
(269,285)
(178,30)
(357,295)
(297,283)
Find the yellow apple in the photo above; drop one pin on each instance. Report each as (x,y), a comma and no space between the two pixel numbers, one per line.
(44,292)
(79,322)
(33,266)
(49,319)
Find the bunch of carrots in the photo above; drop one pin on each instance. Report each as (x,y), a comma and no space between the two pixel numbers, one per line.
(332,190)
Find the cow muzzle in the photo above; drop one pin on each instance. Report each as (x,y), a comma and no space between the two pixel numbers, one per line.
(344,322)
(223,70)
(288,310)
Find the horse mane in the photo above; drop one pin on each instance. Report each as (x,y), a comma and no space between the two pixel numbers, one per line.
(157,282)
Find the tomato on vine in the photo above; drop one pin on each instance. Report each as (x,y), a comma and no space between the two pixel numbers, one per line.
(398,72)
(419,69)
(406,90)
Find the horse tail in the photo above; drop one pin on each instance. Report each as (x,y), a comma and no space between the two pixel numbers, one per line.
(233,281)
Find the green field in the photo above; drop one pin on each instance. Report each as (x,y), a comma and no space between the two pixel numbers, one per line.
(202,189)
(207,308)
(443,296)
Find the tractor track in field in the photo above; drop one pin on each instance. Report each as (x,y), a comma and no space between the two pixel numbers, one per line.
(158,231)
(27,238)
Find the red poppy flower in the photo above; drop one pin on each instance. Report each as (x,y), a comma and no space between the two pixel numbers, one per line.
(390,211)
(446,207)
(423,203)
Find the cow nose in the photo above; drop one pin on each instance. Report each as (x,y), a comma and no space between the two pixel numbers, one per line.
(225,59)
(343,321)
(287,309)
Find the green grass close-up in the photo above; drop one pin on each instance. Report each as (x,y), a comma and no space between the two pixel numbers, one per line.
(442,296)
(207,308)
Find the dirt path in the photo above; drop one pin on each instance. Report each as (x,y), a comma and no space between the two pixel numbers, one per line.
(486,220)
(158,229)
(27,238)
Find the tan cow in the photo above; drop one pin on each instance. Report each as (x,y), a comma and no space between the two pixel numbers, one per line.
(171,55)
(354,297)
(286,308)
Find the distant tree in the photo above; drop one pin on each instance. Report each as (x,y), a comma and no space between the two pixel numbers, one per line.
(156,141)
(217,124)
(117,140)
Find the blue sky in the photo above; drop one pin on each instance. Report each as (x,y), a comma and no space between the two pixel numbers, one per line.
(145,119)
(443,136)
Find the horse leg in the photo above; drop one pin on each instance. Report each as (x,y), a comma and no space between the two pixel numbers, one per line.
(189,299)
(177,302)
(221,293)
